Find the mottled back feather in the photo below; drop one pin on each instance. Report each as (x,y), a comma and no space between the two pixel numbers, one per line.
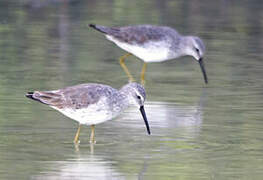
(79,96)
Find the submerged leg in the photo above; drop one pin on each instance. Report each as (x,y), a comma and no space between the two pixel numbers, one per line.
(92,135)
(142,74)
(122,58)
(76,139)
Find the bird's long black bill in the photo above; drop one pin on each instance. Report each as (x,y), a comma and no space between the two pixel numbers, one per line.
(145,119)
(202,66)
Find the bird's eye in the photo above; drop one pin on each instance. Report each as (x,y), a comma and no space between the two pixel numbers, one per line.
(197,50)
(139,97)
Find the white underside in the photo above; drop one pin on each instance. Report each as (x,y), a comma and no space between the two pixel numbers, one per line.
(149,52)
(94,114)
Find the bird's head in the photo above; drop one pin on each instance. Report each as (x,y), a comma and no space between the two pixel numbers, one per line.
(135,93)
(195,47)
(136,96)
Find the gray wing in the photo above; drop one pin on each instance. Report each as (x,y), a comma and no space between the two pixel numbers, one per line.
(139,34)
(76,97)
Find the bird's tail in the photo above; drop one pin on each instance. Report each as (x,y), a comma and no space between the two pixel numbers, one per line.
(30,95)
(35,97)
(104,29)
(99,28)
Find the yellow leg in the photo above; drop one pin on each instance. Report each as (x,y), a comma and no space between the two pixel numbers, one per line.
(122,58)
(76,139)
(92,135)
(142,74)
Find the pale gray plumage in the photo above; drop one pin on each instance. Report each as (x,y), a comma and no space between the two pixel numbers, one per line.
(155,43)
(92,103)
(77,97)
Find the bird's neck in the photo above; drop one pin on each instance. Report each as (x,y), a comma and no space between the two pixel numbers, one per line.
(125,95)
(185,45)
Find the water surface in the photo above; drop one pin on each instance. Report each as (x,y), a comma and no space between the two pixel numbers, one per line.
(199,131)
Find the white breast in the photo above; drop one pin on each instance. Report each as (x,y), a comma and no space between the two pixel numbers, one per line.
(154,51)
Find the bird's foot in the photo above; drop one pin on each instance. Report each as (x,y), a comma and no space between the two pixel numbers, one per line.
(76,142)
(92,142)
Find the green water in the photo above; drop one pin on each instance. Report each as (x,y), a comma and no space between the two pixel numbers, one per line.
(199,131)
